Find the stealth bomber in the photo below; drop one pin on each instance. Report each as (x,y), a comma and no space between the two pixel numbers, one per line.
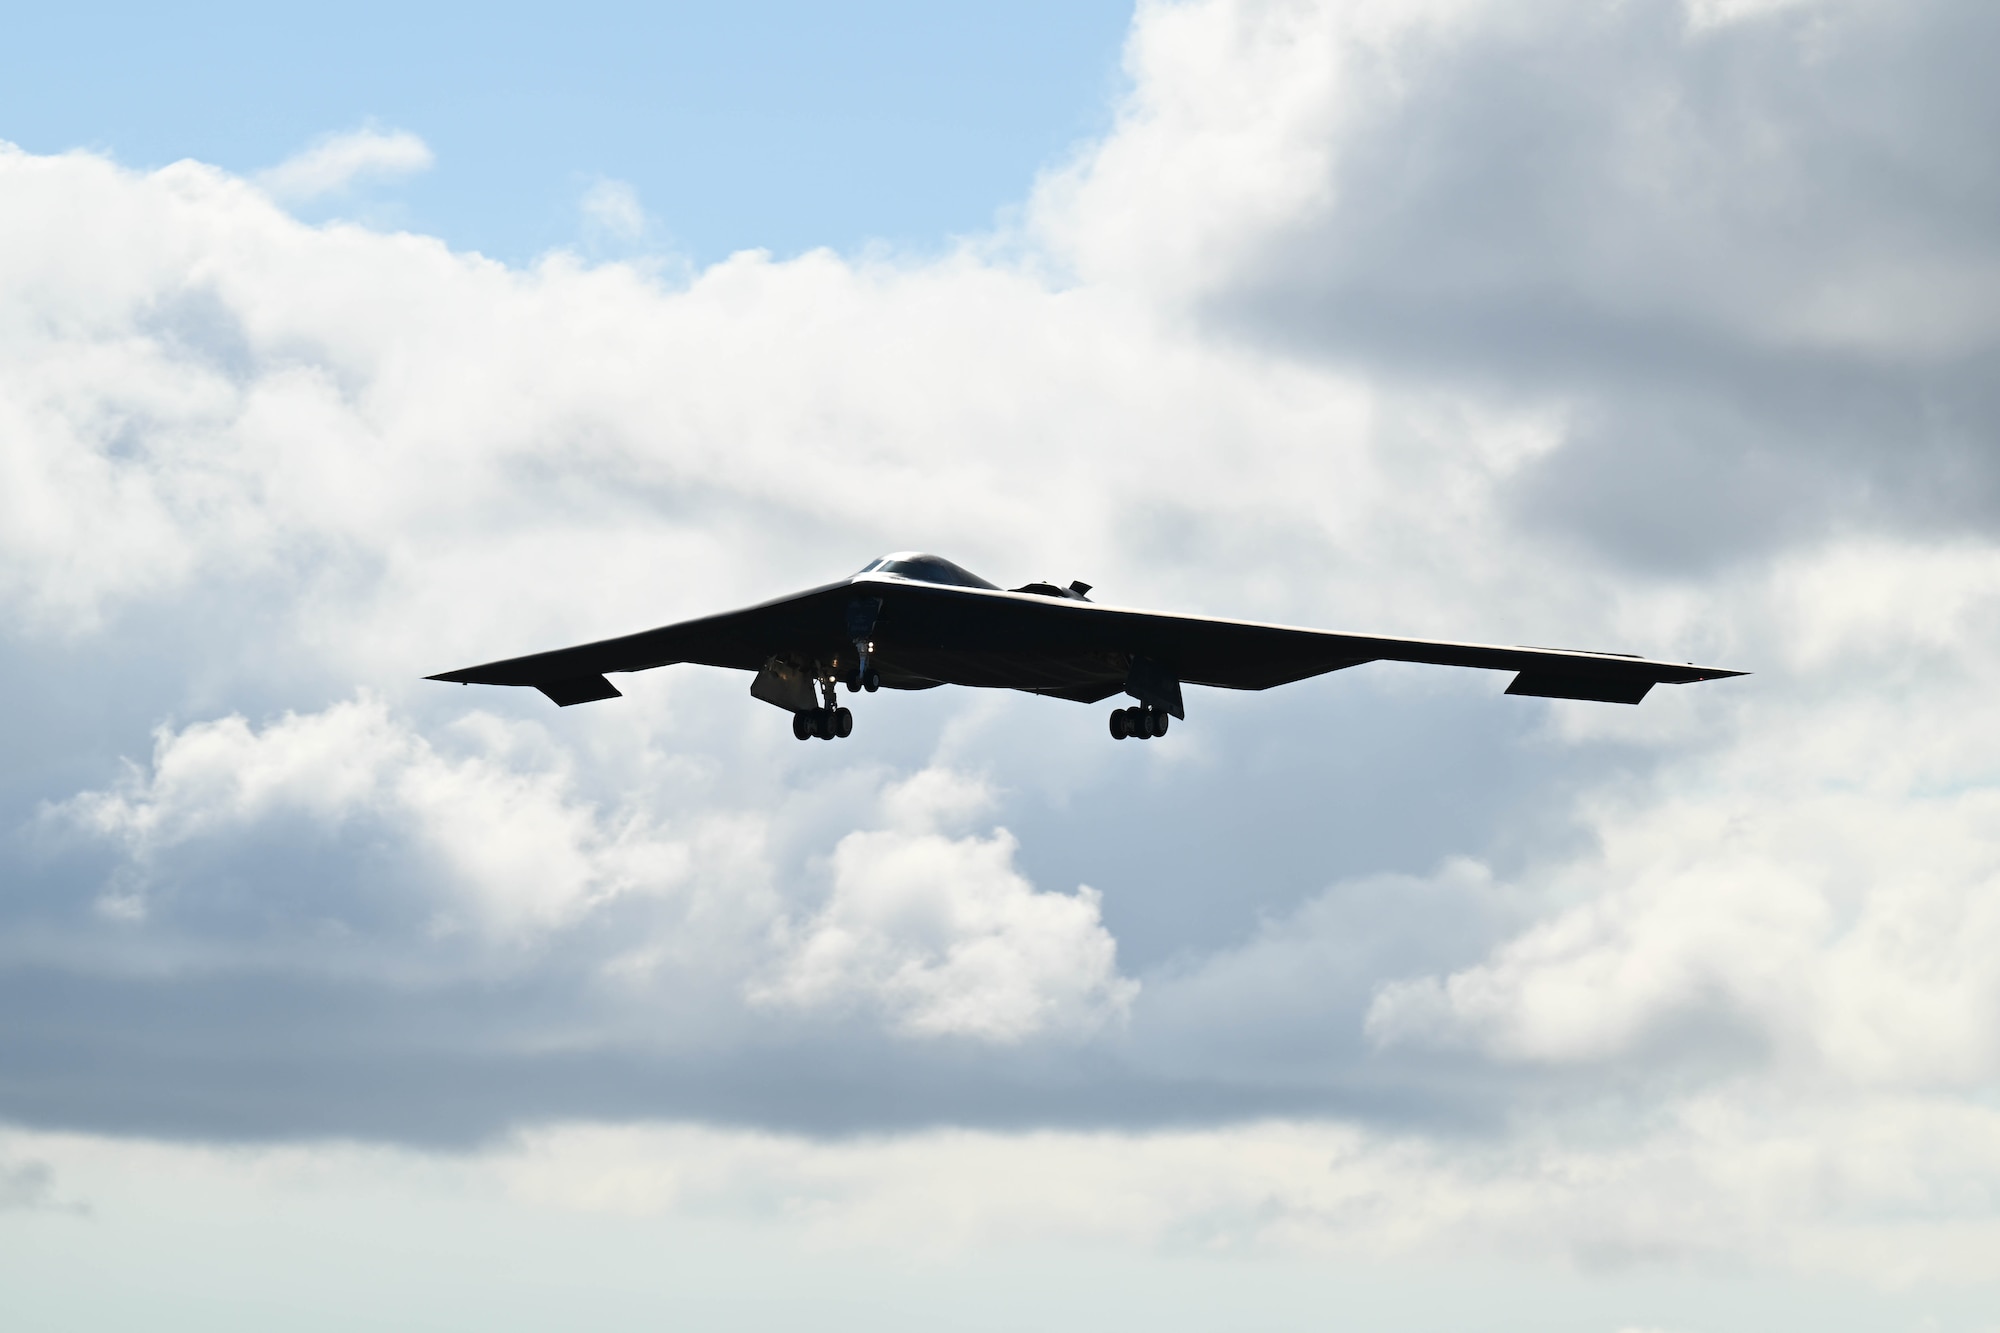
(914,621)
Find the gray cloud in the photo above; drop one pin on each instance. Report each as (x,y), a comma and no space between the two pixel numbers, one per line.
(25,1185)
(1753,261)
(259,965)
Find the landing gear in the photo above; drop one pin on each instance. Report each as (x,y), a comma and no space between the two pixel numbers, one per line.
(865,676)
(1139,723)
(824,723)
(828,723)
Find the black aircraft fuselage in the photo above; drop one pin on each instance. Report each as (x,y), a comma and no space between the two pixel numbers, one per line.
(913,621)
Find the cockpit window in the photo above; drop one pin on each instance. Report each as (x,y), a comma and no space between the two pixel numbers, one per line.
(926,569)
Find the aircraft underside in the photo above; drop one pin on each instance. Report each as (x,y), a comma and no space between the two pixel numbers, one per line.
(1083,678)
(914,622)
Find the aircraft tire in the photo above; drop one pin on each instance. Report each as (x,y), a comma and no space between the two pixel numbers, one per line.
(843,722)
(1159,724)
(802,726)
(871,681)
(1118,724)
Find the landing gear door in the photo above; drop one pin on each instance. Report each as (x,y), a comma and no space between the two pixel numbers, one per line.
(784,685)
(1155,686)
(862,614)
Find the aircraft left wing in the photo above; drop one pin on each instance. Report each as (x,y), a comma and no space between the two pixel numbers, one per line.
(968,624)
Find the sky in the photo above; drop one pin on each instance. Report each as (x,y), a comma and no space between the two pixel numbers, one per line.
(768,124)
(339,351)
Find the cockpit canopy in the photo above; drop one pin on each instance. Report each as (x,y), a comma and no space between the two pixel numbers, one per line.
(926,568)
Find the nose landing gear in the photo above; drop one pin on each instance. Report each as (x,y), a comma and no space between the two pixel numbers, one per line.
(1138,723)
(864,675)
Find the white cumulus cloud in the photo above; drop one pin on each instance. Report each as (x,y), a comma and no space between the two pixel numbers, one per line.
(948,938)
(510,846)
(335,162)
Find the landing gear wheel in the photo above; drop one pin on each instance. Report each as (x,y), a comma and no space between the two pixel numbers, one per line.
(1159,723)
(871,681)
(843,722)
(823,723)
(802,726)
(1119,729)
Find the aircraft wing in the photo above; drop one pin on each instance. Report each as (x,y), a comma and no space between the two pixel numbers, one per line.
(742,639)
(1249,656)
(1245,655)
(929,633)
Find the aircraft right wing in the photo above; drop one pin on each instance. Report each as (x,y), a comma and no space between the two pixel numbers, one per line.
(741,639)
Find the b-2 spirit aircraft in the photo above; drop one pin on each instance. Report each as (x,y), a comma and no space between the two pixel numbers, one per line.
(913,621)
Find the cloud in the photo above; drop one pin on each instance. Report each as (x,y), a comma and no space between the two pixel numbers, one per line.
(943,933)
(509,850)
(946,935)
(1822,889)
(1715,1182)
(1703,14)
(612,207)
(335,163)
(1823,1192)
(1746,262)
(25,1185)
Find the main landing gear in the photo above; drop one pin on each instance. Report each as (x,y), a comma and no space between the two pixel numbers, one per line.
(825,723)
(828,722)
(1138,723)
